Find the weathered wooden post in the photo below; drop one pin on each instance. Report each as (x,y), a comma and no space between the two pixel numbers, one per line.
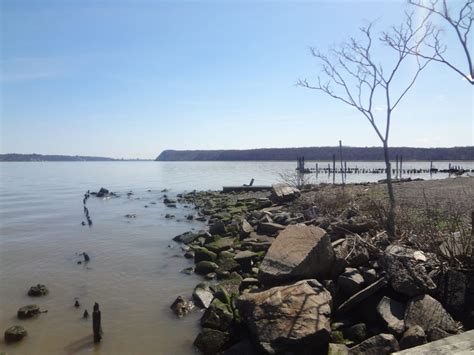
(342,168)
(334,168)
(96,323)
(401,160)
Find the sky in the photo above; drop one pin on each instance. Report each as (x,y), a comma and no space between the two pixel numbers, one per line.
(128,79)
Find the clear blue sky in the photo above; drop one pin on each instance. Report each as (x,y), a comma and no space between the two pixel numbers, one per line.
(125,78)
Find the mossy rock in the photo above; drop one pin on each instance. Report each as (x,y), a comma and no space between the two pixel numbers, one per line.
(218,316)
(203,254)
(221,244)
(211,341)
(205,267)
(337,337)
(29,311)
(15,333)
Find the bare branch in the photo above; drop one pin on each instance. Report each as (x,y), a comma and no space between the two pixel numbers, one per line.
(460,23)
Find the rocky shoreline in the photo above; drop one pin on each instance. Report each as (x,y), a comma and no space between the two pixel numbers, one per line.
(281,275)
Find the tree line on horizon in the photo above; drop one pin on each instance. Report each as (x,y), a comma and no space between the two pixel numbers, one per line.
(320,154)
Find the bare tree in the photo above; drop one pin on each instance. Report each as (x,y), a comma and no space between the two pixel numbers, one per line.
(460,22)
(352,75)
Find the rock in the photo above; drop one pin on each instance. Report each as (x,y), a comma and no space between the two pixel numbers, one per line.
(186,238)
(249,282)
(406,275)
(369,275)
(217,228)
(210,276)
(428,313)
(228,264)
(130,215)
(284,193)
(102,192)
(270,228)
(189,254)
(298,252)
(337,349)
(221,244)
(205,267)
(188,270)
(361,295)
(245,229)
(38,290)
(203,254)
(452,289)
(15,333)
(350,282)
(202,296)
(437,334)
(356,333)
(181,306)
(211,341)
(218,316)
(244,259)
(85,315)
(29,311)
(379,344)
(392,313)
(244,347)
(230,285)
(291,317)
(413,336)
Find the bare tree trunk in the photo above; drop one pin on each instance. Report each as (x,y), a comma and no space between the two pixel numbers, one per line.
(391,196)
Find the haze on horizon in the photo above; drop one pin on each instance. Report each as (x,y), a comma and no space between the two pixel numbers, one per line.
(133,78)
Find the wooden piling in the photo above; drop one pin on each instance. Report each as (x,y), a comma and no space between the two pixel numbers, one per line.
(96,323)
(342,168)
(334,168)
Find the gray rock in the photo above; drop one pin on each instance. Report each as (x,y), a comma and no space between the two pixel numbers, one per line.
(186,238)
(29,311)
(350,282)
(218,316)
(337,349)
(369,275)
(15,333)
(245,229)
(452,289)
(270,228)
(392,314)
(221,244)
(202,296)
(356,333)
(202,254)
(428,313)
(218,228)
(361,295)
(291,317)
(38,290)
(205,267)
(298,252)
(284,193)
(406,274)
(413,336)
(181,306)
(437,334)
(211,341)
(378,345)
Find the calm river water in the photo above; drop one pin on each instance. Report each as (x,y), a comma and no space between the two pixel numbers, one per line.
(134,269)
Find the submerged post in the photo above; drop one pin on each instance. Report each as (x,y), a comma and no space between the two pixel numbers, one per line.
(96,323)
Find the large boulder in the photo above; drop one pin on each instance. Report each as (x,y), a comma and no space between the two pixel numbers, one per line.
(218,316)
(202,295)
(284,193)
(378,345)
(406,274)
(428,313)
(298,252)
(392,313)
(221,244)
(291,317)
(15,333)
(202,254)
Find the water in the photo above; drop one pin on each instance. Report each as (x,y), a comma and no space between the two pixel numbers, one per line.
(133,274)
